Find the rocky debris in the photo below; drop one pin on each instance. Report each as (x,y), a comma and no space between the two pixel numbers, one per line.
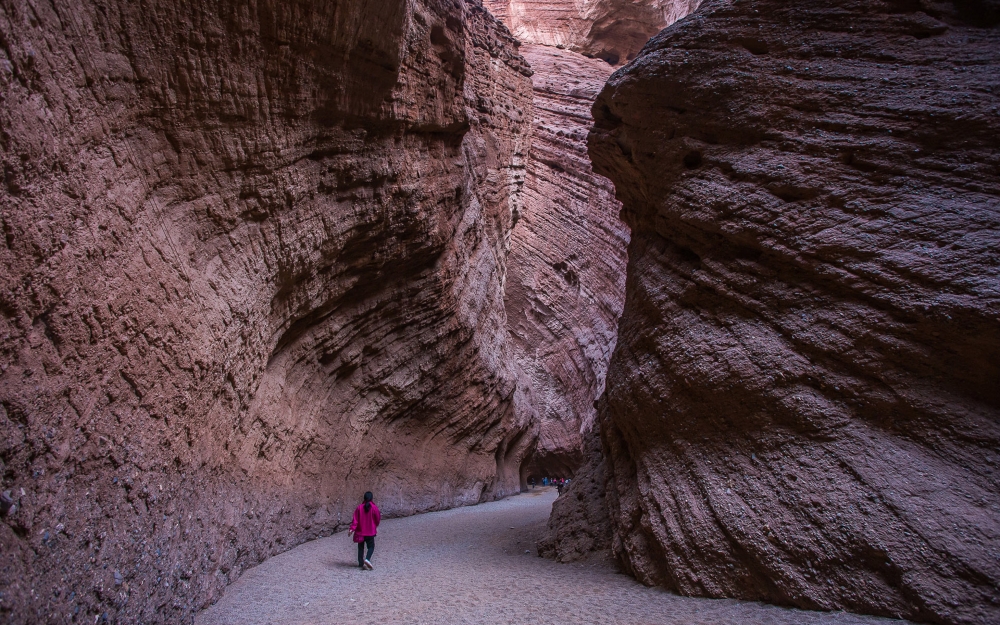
(803,404)
(566,269)
(611,30)
(252,266)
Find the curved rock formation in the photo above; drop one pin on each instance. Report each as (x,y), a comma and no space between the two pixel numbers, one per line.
(804,401)
(566,270)
(253,260)
(612,30)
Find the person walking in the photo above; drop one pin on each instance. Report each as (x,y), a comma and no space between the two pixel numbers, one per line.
(363,527)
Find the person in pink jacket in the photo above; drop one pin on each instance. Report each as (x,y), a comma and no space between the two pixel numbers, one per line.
(363,527)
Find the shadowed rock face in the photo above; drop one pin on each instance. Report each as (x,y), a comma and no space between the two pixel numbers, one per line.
(566,269)
(803,403)
(612,30)
(253,261)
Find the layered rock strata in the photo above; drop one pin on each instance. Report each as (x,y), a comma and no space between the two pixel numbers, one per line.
(803,403)
(566,270)
(612,30)
(253,261)
(565,284)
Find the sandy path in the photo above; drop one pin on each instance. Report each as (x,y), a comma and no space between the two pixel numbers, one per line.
(469,565)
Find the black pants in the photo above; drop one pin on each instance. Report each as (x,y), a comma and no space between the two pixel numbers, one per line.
(370,541)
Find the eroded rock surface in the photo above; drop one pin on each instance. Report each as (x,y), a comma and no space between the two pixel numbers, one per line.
(579,524)
(803,403)
(566,271)
(253,259)
(613,30)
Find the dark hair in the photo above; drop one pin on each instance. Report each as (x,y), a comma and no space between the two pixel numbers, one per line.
(368,501)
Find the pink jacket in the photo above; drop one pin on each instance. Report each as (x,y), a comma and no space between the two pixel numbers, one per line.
(364,523)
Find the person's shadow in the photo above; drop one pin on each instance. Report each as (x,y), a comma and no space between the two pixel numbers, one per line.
(340,564)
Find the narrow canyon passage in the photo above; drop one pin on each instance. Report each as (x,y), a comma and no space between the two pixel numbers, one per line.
(731,264)
(472,565)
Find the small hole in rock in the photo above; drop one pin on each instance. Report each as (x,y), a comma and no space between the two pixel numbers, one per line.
(611,58)
(438,37)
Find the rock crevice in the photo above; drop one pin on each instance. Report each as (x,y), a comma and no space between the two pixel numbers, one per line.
(565,273)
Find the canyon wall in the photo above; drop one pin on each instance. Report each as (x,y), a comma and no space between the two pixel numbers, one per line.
(803,403)
(252,266)
(566,270)
(613,30)
(565,285)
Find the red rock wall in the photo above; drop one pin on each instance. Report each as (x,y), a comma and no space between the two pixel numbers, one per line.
(804,399)
(253,259)
(613,30)
(565,284)
(566,270)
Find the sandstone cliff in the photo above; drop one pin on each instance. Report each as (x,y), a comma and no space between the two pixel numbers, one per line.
(565,286)
(612,30)
(566,270)
(803,403)
(252,266)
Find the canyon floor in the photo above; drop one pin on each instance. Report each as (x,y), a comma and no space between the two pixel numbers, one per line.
(471,565)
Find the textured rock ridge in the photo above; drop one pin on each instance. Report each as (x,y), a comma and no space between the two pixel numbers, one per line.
(253,265)
(566,270)
(803,403)
(612,30)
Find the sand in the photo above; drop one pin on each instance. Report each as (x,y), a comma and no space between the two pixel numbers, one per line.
(471,565)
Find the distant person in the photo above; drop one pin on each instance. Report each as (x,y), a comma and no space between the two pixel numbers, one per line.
(363,526)
(531,482)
